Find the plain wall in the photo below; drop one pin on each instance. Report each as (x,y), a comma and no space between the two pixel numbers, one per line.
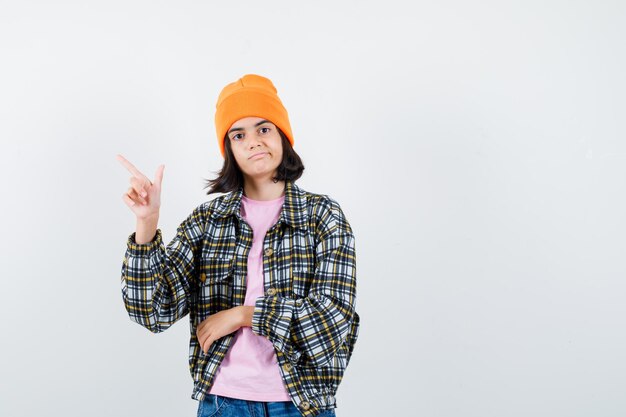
(477,148)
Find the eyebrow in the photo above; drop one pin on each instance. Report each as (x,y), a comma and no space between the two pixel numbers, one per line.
(241,128)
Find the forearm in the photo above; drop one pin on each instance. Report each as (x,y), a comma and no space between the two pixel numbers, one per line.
(146,229)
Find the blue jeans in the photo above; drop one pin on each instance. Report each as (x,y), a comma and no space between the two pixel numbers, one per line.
(216,405)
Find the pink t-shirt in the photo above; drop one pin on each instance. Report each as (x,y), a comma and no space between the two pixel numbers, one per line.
(249,370)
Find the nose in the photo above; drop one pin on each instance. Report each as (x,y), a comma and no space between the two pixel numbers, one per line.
(255,140)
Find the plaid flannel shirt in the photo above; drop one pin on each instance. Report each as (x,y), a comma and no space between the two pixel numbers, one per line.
(307,312)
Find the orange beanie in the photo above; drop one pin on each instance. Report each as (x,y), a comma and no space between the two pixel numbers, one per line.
(251,95)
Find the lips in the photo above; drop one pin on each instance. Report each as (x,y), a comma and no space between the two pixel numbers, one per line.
(256,155)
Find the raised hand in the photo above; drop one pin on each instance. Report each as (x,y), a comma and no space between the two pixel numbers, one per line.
(143,196)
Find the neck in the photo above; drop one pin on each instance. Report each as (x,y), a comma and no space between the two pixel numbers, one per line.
(263,190)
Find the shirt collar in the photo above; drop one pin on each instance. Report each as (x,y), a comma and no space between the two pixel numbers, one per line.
(294,210)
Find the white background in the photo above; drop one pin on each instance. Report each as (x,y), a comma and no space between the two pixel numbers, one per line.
(477,148)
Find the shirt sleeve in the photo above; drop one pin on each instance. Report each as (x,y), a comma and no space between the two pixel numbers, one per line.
(157,281)
(312,330)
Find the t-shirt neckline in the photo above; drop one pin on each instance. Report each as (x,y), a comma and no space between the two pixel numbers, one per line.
(276,200)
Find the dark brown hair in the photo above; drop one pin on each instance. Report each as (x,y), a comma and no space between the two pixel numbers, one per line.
(230,177)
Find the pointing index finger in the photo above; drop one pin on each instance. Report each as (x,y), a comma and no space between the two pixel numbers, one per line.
(130,167)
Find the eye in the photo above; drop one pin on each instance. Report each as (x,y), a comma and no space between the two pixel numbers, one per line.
(234,137)
(268,129)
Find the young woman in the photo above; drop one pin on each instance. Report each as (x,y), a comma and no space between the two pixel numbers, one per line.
(266,272)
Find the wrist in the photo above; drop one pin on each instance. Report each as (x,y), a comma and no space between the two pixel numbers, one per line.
(151,219)
(246,315)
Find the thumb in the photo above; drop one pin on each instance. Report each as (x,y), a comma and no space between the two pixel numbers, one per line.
(158,176)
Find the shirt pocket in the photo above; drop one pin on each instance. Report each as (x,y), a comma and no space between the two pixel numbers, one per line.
(216,269)
(215,284)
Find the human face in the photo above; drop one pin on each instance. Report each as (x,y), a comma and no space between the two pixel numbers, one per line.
(257,146)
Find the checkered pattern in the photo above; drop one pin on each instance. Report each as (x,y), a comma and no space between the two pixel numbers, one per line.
(307,312)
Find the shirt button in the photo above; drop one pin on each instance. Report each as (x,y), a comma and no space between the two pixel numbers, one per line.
(299,302)
(305,405)
(271,291)
(287,367)
(269,252)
